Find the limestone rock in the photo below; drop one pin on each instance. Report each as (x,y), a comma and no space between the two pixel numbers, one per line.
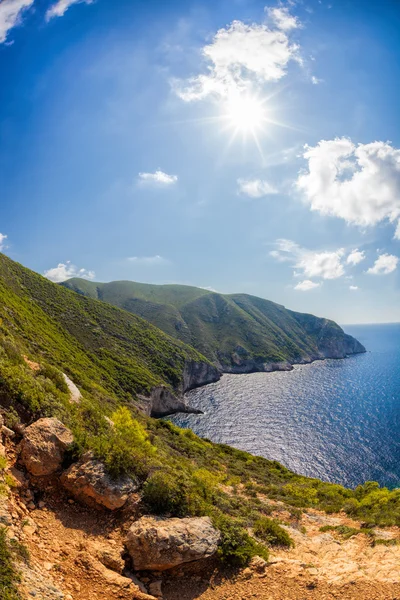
(160,544)
(258,564)
(109,556)
(44,445)
(89,483)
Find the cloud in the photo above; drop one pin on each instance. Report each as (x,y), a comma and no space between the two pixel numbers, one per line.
(158,178)
(359,183)
(355,257)
(255,188)
(60,8)
(149,260)
(310,263)
(384,264)
(353,288)
(64,271)
(282,18)
(306,285)
(242,56)
(11,12)
(3,238)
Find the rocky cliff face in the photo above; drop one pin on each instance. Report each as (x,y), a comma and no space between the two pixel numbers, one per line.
(329,341)
(163,401)
(197,374)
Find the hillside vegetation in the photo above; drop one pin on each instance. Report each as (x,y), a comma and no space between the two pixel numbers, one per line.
(113,356)
(238,332)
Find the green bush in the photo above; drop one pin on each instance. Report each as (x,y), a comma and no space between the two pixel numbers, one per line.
(170,493)
(269,531)
(8,574)
(50,372)
(236,546)
(126,447)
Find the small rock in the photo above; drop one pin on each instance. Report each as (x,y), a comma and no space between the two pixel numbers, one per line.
(258,564)
(155,588)
(89,482)
(43,446)
(247,573)
(20,479)
(41,504)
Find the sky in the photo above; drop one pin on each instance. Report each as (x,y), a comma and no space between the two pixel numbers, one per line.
(235,145)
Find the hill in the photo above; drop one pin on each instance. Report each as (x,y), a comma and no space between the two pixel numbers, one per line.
(100,347)
(238,332)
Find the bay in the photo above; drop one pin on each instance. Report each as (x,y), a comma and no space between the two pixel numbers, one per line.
(338,420)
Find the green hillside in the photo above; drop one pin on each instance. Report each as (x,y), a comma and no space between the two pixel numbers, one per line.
(238,332)
(100,347)
(114,357)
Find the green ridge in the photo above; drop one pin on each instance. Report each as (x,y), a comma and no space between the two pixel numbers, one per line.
(236,331)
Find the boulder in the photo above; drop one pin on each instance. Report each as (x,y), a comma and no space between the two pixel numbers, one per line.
(161,544)
(43,446)
(89,482)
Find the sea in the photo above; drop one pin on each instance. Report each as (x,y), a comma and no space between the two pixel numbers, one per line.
(338,420)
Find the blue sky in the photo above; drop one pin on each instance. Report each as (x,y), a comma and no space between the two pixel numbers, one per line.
(238,145)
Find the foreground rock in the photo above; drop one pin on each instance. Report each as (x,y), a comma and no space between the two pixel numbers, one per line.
(89,483)
(44,445)
(161,544)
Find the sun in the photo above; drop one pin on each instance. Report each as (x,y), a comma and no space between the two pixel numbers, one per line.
(245,113)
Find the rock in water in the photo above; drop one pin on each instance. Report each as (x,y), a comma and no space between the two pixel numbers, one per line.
(161,544)
(89,482)
(44,445)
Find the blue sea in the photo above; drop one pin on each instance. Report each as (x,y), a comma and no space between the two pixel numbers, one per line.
(338,420)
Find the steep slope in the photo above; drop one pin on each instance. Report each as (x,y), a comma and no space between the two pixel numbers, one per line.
(238,332)
(98,346)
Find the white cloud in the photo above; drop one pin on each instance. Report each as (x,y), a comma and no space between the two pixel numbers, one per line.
(355,257)
(255,188)
(158,178)
(353,288)
(282,18)
(149,260)
(306,285)
(384,264)
(64,271)
(310,263)
(60,8)
(241,56)
(357,183)
(3,238)
(11,12)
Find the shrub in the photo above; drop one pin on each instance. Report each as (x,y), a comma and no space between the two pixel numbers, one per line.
(8,575)
(236,546)
(126,448)
(269,531)
(50,372)
(169,493)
